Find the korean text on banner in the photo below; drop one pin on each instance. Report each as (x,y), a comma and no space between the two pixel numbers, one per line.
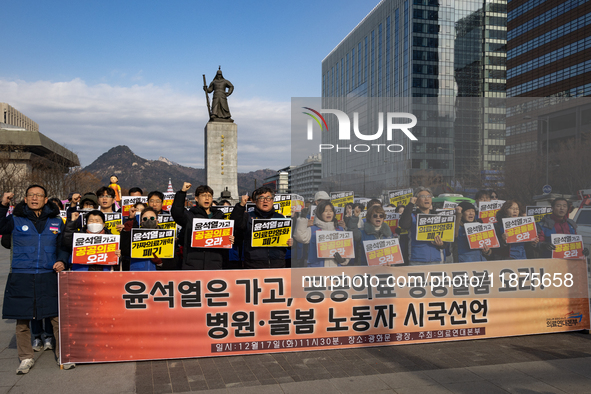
(297,203)
(339,213)
(239,312)
(521,229)
(63,215)
(538,212)
(568,246)
(129,201)
(167,203)
(212,233)
(282,204)
(330,242)
(340,199)
(449,205)
(487,210)
(398,197)
(481,234)
(112,220)
(95,249)
(383,252)
(270,232)
(227,211)
(166,221)
(429,226)
(147,242)
(392,219)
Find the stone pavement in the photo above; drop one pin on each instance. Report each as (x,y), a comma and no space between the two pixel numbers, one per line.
(552,363)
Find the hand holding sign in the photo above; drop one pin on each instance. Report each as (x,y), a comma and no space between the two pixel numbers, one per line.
(156,260)
(437,241)
(186,186)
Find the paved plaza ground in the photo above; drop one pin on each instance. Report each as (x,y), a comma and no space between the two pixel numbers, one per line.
(551,363)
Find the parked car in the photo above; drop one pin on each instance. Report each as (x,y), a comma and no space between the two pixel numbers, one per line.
(583,219)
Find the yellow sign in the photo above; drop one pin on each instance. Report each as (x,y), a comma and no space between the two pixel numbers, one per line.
(429,226)
(270,232)
(145,243)
(400,197)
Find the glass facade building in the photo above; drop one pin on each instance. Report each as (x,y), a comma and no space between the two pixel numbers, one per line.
(422,57)
(547,56)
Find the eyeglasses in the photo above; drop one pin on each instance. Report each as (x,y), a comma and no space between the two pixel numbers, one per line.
(157,200)
(105,196)
(37,195)
(378,215)
(145,218)
(264,198)
(206,195)
(424,197)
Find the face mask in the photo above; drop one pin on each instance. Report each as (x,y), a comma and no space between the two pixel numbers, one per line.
(94,227)
(149,224)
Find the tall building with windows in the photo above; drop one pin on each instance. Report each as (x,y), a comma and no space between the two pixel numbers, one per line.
(548,56)
(441,60)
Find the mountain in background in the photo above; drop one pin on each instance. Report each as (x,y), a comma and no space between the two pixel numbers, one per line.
(133,170)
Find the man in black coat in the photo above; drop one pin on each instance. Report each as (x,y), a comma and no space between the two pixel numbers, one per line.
(197,258)
(37,256)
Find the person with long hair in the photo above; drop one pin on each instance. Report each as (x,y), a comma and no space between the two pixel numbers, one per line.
(466,213)
(324,220)
(513,251)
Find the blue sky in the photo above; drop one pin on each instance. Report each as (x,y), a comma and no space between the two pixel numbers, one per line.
(99,74)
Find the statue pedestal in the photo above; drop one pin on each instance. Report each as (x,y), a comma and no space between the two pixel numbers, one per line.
(221,163)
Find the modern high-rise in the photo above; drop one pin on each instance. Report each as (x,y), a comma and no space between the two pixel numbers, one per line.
(547,56)
(442,61)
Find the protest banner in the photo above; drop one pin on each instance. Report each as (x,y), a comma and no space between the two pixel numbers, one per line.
(521,229)
(282,204)
(391,219)
(270,232)
(538,212)
(112,220)
(330,242)
(212,233)
(449,205)
(487,210)
(167,203)
(113,315)
(63,215)
(95,249)
(340,199)
(147,242)
(429,226)
(383,252)
(312,211)
(227,211)
(445,212)
(339,213)
(400,197)
(481,234)
(568,246)
(297,203)
(166,221)
(129,201)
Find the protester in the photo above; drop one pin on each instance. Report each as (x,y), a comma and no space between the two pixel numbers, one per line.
(258,257)
(494,195)
(74,199)
(106,200)
(135,192)
(198,258)
(422,252)
(89,201)
(324,220)
(95,224)
(481,196)
(149,220)
(514,251)
(466,213)
(37,257)
(155,201)
(374,228)
(555,223)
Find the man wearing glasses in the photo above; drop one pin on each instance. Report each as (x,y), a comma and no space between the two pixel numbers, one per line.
(421,252)
(106,199)
(37,256)
(258,257)
(155,201)
(197,258)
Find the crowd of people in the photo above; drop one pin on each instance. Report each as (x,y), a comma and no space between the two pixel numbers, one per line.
(42,242)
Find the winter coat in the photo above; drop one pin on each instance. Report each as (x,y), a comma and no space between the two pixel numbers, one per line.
(420,251)
(465,254)
(307,235)
(369,233)
(550,225)
(70,229)
(256,257)
(31,288)
(196,258)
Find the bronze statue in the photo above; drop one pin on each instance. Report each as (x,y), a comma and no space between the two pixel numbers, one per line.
(219,111)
